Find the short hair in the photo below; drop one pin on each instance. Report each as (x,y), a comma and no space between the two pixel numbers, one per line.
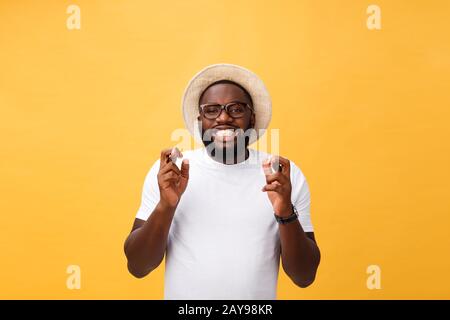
(227,82)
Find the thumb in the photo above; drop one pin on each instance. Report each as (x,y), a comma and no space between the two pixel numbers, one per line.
(267,167)
(185,168)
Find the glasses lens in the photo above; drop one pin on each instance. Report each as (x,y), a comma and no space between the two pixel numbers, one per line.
(211,111)
(236,110)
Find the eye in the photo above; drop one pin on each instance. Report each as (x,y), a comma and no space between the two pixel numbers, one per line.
(236,108)
(211,109)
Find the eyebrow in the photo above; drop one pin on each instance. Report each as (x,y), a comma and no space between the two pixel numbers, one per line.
(216,103)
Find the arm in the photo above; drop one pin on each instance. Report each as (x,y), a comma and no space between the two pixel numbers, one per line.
(146,244)
(300,254)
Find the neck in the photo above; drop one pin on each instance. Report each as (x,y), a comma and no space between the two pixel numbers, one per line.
(229,156)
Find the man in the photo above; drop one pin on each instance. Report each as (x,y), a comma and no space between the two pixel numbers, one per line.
(225,216)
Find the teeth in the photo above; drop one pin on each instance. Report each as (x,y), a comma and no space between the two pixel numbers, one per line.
(225,133)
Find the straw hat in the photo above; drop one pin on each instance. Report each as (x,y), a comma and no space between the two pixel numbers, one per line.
(248,80)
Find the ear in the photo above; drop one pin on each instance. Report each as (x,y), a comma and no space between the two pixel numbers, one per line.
(252,120)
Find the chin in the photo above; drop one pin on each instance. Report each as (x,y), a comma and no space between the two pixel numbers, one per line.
(224,144)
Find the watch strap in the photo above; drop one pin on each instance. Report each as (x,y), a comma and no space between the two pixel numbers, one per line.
(292,217)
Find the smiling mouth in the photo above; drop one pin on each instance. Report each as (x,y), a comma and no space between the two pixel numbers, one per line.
(225,134)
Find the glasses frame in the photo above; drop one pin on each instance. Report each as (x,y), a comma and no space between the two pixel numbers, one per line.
(224,107)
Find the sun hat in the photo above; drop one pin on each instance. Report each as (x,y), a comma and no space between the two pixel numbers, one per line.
(262,103)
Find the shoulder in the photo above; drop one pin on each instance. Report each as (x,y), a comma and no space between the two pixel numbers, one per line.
(296,172)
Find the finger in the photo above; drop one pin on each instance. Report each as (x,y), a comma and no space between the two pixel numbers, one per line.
(175,153)
(272,187)
(165,153)
(275,164)
(169,183)
(185,168)
(272,165)
(267,167)
(285,166)
(282,163)
(170,166)
(170,177)
(276,177)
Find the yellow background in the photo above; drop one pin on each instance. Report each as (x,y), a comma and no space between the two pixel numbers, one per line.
(365,114)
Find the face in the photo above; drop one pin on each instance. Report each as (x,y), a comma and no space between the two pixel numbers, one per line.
(224,93)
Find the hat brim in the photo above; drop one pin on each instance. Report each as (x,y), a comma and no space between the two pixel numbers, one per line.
(262,103)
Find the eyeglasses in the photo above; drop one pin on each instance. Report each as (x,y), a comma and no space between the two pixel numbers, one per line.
(235,110)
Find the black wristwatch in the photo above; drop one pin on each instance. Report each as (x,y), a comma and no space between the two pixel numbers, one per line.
(292,217)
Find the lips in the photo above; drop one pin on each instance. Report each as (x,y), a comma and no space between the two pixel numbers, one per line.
(224,128)
(225,134)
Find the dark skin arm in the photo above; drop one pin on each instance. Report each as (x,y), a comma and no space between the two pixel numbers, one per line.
(146,244)
(289,234)
(300,255)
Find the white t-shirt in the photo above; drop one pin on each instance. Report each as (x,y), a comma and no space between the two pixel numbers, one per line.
(224,241)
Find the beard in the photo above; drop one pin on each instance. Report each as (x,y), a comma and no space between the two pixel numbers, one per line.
(226,148)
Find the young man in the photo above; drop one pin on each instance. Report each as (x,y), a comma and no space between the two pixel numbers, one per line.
(224,218)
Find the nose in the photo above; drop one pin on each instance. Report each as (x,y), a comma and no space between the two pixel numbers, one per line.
(224,117)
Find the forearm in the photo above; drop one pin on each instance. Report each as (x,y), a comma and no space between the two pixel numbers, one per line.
(299,254)
(146,246)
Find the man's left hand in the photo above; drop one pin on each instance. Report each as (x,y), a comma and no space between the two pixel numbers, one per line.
(278,186)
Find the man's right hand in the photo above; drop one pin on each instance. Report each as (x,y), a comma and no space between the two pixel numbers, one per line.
(172,181)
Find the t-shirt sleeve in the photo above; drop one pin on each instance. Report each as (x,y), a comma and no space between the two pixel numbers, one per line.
(150,193)
(301,197)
